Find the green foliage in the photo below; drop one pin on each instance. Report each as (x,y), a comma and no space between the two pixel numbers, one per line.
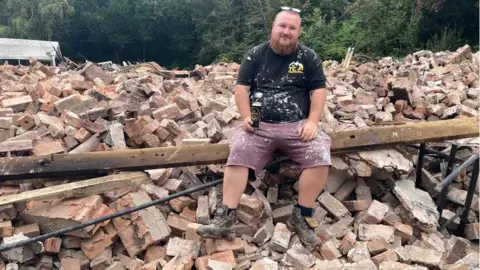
(182,33)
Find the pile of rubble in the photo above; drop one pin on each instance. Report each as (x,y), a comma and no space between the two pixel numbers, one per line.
(371,215)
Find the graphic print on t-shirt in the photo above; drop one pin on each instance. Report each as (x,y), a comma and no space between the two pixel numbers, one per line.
(284,81)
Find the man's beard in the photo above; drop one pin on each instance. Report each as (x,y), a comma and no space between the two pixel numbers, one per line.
(282,49)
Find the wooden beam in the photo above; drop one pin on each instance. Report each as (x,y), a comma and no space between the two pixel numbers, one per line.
(188,155)
(79,189)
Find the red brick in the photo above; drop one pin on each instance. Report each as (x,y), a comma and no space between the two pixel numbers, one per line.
(377,246)
(53,245)
(82,135)
(142,229)
(6,229)
(227,256)
(70,264)
(30,230)
(329,251)
(347,243)
(47,148)
(188,214)
(181,202)
(26,121)
(71,119)
(387,256)
(69,241)
(69,211)
(154,253)
(170,111)
(95,245)
(177,224)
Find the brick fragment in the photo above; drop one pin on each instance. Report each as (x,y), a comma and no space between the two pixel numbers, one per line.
(472,231)
(154,253)
(6,228)
(345,189)
(30,230)
(387,256)
(375,212)
(70,264)
(202,212)
(102,261)
(299,257)
(147,226)
(177,224)
(116,266)
(367,232)
(332,205)
(130,263)
(377,246)
(226,256)
(281,238)
(458,250)
(178,246)
(95,245)
(53,245)
(181,202)
(424,256)
(347,242)
(340,228)
(48,148)
(329,251)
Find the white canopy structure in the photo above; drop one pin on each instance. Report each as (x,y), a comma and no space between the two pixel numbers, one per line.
(22,49)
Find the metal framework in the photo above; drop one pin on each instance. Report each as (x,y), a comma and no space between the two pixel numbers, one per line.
(449,176)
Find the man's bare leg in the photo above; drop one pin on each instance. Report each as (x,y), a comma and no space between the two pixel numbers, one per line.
(312,181)
(234,183)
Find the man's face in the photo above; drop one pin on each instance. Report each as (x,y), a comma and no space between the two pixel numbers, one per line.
(286,29)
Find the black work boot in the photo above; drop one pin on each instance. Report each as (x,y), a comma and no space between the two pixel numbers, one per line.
(221,226)
(304,227)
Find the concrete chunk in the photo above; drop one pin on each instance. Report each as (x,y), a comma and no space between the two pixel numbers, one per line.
(419,204)
(424,256)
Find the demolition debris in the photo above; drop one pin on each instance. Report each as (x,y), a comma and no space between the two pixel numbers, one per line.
(371,214)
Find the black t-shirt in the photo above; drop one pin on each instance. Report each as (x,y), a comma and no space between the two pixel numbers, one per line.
(284,81)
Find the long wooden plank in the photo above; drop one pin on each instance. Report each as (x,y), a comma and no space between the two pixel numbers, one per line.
(163,157)
(79,189)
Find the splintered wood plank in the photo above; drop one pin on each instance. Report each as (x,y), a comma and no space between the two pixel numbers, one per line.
(83,188)
(190,155)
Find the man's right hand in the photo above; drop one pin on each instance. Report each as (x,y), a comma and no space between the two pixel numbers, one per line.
(247,124)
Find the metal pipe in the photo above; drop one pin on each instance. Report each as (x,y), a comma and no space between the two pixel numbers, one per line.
(107,217)
(442,199)
(468,202)
(421,154)
(452,176)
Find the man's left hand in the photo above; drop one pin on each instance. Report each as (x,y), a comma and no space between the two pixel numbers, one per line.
(308,131)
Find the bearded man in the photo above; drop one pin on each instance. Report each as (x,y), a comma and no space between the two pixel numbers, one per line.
(292,83)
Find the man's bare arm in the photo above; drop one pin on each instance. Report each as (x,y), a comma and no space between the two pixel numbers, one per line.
(318,99)
(242,100)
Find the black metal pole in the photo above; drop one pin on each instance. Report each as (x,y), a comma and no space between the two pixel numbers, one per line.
(439,154)
(468,201)
(442,199)
(108,217)
(421,154)
(455,172)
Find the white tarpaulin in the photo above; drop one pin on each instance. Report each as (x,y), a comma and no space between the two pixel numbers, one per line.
(22,49)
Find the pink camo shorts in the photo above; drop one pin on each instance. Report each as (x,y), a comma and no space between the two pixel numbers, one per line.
(254,149)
